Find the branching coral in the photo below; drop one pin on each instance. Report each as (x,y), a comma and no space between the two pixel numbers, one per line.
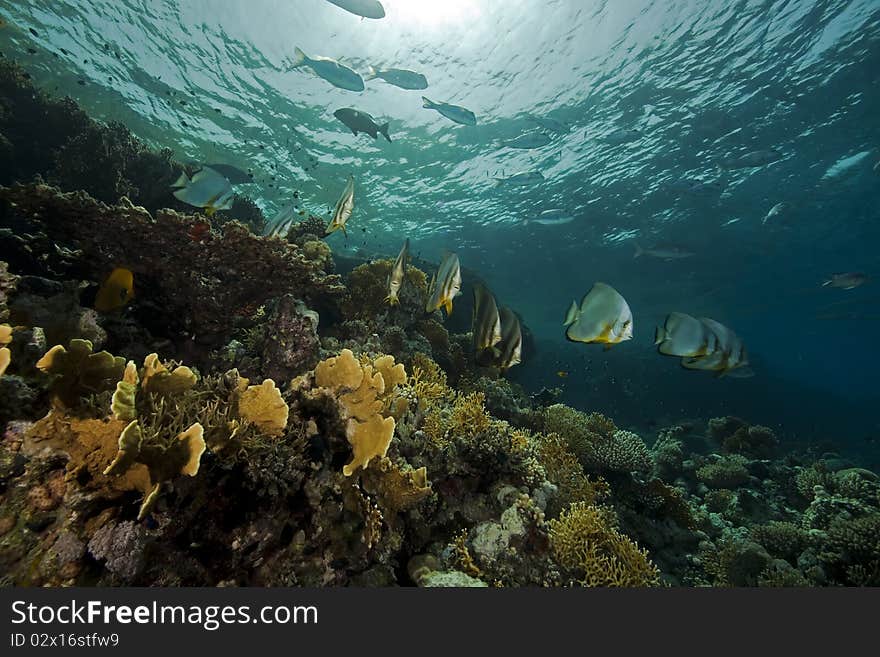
(397,490)
(586,542)
(737,437)
(783,540)
(565,472)
(368,287)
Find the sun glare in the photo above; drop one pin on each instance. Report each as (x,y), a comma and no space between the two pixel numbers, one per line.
(433,12)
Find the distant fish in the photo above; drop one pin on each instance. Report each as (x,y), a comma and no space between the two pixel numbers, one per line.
(529,141)
(397,275)
(445,285)
(520,179)
(752,159)
(451,112)
(603,317)
(485,326)
(776,212)
(684,336)
(554,217)
(510,345)
(550,124)
(399,77)
(344,207)
(358,122)
(362,8)
(846,280)
(232,173)
(116,291)
(696,187)
(206,189)
(562,374)
(663,252)
(339,75)
(622,136)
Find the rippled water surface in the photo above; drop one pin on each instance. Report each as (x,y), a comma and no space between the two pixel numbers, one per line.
(645,101)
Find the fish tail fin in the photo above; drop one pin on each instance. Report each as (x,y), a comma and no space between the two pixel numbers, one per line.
(384,130)
(299,58)
(659,335)
(826,282)
(427,103)
(639,251)
(371,73)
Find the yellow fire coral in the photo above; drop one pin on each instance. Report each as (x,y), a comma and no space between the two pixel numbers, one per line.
(396,490)
(263,406)
(158,379)
(586,542)
(79,371)
(5,338)
(364,391)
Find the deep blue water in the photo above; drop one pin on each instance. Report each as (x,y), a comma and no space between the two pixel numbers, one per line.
(700,81)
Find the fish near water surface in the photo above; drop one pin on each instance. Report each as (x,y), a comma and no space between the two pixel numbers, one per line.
(670,252)
(521,179)
(445,285)
(358,122)
(529,141)
(337,74)
(752,159)
(452,112)
(343,210)
(553,217)
(397,275)
(363,8)
(603,317)
(399,77)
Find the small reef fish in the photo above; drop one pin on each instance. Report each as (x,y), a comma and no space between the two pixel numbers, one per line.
(358,122)
(344,207)
(554,217)
(486,326)
(529,141)
(520,179)
(451,112)
(397,275)
(622,136)
(445,285)
(752,159)
(663,252)
(696,187)
(845,280)
(339,75)
(603,317)
(206,189)
(510,346)
(363,8)
(776,212)
(562,374)
(116,291)
(399,77)
(684,336)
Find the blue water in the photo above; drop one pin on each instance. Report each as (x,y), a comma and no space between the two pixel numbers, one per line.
(700,81)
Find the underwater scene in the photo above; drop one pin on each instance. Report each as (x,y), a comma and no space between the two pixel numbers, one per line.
(439,293)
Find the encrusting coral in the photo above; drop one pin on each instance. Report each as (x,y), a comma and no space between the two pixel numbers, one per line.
(177,273)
